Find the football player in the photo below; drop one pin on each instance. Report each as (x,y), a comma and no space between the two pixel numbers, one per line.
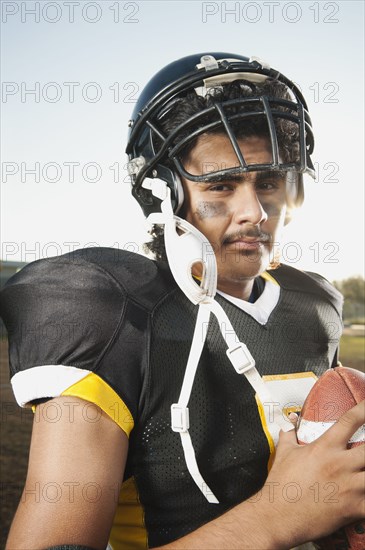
(162,387)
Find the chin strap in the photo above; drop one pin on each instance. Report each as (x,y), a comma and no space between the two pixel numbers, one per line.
(185,246)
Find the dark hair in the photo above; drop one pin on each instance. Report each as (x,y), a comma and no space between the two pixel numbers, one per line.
(183,109)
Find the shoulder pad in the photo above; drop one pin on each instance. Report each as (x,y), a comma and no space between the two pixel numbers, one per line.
(305,281)
(141,279)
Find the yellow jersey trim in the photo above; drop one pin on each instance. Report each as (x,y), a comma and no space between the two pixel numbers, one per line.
(129,531)
(93,388)
(308,374)
(266,432)
(267,277)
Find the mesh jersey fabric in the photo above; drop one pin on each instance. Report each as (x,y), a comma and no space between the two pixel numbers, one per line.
(132,326)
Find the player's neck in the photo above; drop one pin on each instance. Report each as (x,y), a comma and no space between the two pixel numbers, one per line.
(240,289)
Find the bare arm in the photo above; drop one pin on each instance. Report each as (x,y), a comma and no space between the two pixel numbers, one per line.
(67,456)
(311,491)
(76,465)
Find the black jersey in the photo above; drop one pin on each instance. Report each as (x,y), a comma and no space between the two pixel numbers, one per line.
(113,328)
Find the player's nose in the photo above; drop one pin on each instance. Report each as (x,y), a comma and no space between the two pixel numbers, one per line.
(248,208)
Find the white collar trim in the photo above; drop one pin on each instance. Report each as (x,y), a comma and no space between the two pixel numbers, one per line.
(264,305)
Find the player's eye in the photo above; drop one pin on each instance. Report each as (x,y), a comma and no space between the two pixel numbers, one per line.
(219,187)
(267,185)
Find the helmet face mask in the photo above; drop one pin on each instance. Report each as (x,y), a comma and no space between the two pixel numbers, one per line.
(157,148)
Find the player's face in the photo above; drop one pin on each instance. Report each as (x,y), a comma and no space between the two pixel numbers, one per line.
(241,216)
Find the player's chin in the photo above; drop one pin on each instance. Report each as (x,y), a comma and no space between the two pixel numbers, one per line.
(247,268)
(254,259)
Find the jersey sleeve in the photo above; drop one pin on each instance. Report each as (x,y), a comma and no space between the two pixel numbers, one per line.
(72,332)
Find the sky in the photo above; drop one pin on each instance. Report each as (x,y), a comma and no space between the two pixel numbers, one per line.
(72,72)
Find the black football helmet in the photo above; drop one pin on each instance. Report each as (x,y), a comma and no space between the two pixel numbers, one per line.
(154,153)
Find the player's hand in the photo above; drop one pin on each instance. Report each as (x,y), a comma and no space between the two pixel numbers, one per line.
(314,489)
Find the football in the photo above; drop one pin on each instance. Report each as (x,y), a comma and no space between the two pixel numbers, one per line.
(336,391)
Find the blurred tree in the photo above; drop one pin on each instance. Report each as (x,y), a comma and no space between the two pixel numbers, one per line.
(353,290)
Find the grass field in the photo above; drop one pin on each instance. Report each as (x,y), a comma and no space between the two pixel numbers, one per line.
(352,352)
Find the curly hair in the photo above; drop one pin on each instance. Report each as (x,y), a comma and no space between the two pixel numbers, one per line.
(185,107)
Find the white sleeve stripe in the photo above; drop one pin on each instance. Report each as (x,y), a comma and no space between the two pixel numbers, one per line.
(310,431)
(44,381)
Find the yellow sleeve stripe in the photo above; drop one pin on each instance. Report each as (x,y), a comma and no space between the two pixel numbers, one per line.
(93,388)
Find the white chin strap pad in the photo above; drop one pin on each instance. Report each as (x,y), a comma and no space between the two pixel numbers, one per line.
(185,246)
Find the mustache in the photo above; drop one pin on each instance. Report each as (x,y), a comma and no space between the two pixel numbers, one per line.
(253,232)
